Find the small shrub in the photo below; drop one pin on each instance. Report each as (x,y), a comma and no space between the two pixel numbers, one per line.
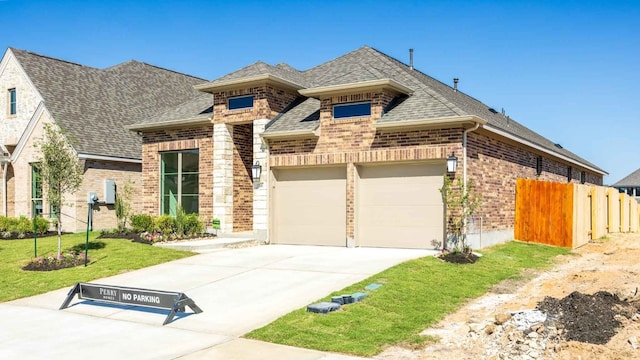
(5,223)
(42,225)
(192,225)
(180,218)
(23,226)
(142,223)
(166,224)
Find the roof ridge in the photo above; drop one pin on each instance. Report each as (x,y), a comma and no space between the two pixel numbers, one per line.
(407,69)
(51,58)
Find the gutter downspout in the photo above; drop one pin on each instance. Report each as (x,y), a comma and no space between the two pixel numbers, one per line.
(464,165)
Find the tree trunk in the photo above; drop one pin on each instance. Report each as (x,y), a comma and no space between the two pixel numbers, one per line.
(59,232)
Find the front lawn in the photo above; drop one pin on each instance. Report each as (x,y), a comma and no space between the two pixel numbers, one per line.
(106,257)
(415,295)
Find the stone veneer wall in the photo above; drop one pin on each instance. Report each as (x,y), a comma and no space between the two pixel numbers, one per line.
(242,182)
(155,142)
(12,76)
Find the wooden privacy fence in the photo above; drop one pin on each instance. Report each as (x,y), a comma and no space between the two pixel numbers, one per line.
(569,215)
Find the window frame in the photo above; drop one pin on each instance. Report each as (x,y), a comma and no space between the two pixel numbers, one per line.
(583,177)
(180,174)
(36,186)
(345,105)
(238,98)
(12,101)
(539,166)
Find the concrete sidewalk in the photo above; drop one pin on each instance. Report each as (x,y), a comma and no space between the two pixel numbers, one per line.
(238,289)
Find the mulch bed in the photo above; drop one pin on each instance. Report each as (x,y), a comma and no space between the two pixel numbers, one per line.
(588,318)
(15,236)
(460,257)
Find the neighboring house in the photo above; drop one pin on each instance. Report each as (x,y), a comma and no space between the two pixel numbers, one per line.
(92,106)
(630,185)
(352,152)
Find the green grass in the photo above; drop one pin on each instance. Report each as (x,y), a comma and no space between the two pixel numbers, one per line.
(415,295)
(107,257)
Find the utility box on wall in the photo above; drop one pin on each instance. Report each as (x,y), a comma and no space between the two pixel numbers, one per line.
(109,191)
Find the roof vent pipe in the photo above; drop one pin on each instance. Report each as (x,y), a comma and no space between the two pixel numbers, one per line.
(411,59)
(455,84)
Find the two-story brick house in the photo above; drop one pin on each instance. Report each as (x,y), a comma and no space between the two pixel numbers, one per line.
(352,152)
(90,105)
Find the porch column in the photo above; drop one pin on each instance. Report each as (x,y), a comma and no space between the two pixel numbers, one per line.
(261,186)
(223,176)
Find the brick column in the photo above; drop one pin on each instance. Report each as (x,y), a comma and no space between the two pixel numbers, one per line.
(261,187)
(223,176)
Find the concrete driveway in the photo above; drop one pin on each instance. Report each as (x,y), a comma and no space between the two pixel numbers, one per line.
(238,289)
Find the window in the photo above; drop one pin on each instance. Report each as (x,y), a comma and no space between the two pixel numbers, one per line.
(351,110)
(622,190)
(36,190)
(569,173)
(179,181)
(12,102)
(539,165)
(637,194)
(583,177)
(630,191)
(240,102)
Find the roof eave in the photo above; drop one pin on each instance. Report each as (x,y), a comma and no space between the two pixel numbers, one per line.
(388,84)
(543,149)
(449,121)
(212,87)
(290,134)
(170,124)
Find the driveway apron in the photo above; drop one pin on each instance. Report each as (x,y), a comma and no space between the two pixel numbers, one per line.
(238,290)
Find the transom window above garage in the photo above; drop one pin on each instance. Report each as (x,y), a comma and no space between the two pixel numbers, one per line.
(342,111)
(240,102)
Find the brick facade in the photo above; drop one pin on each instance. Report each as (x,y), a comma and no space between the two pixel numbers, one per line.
(158,141)
(495,165)
(95,172)
(242,182)
(268,101)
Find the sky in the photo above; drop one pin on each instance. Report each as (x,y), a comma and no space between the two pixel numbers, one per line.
(568,70)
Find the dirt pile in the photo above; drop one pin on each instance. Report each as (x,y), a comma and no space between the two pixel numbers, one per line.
(585,308)
(593,319)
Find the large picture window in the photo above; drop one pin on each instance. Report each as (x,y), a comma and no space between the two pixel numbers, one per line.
(179,181)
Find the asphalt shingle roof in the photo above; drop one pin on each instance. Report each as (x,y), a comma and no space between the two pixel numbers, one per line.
(430,98)
(631,180)
(94,105)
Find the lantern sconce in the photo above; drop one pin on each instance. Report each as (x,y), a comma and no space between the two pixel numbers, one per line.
(452,164)
(256,171)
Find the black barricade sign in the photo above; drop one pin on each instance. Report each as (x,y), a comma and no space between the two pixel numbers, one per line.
(166,300)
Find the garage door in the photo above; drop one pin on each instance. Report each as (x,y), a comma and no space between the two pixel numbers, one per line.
(399,205)
(310,206)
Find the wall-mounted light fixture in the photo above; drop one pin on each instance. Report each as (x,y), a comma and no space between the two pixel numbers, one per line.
(452,164)
(256,171)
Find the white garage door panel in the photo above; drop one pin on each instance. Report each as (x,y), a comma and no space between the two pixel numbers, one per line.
(400,205)
(310,206)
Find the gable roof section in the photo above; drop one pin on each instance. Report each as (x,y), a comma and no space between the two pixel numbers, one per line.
(430,99)
(631,180)
(95,105)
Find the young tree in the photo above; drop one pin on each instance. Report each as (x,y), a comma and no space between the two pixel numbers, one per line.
(460,203)
(123,204)
(60,169)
